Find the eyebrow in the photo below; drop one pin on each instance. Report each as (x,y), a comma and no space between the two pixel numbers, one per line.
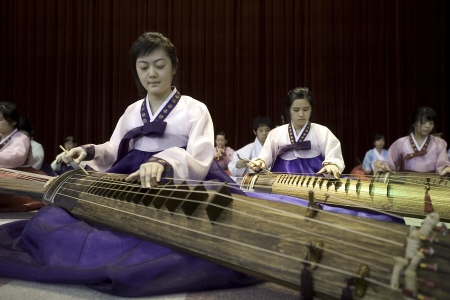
(143,61)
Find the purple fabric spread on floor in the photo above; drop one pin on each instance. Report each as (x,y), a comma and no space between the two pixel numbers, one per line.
(55,247)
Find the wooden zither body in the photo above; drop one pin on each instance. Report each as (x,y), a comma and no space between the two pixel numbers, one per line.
(271,240)
(401,193)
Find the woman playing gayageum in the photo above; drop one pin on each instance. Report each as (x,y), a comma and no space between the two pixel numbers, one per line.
(164,134)
(158,135)
(419,151)
(301,146)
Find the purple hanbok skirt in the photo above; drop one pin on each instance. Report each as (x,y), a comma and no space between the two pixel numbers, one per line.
(298,165)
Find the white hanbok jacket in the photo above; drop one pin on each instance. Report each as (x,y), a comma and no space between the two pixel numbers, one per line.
(323,142)
(189,125)
(250,151)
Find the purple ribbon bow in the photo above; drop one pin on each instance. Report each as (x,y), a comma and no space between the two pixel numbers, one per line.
(305,145)
(153,129)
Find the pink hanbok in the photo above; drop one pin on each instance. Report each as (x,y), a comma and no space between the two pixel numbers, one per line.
(15,153)
(406,155)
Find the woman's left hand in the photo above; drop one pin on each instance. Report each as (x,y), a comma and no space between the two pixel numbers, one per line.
(330,169)
(149,174)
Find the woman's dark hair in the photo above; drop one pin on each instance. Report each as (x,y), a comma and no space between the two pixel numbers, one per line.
(222,133)
(25,124)
(70,138)
(423,114)
(262,121)
(377,137)
(10,113)
(146,44)
(296,94)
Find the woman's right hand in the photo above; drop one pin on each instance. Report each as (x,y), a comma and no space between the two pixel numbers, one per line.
(380,166)
(256,164)
(240,164)
(77,155)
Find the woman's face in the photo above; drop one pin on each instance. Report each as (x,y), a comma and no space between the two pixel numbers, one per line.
(5,127)
(261,133)
(423,127)
(300,112)
(220,141)
(379,144)
(155,73)
(69,145)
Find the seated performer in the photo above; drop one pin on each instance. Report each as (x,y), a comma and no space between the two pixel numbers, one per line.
(15,153)
(59,165)
(222,153)
(261,128)
(164,134)
(419,151)
(15,147)
(375,154)
(300,146)
(37,150)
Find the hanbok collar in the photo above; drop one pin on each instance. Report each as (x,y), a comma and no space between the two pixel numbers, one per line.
(5,141)
(152,116)
(302,134)
(297,141)
(257,147)
(154,125)
(417,152)
(415,146)
(378,155)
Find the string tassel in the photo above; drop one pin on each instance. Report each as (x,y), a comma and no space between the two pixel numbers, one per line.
(428,205)
(306,286)
(347,292)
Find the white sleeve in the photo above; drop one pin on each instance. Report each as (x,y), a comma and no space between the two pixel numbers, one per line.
(244,152)
(106,153)
(195,161)
(331,148)
(270,148)
(38,155)
(55,165)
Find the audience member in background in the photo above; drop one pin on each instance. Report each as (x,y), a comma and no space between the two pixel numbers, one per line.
(419,151)
(378,153)
(223,154)
(300,146)
(261,128)
(15,153)
(59,165)
(37,150)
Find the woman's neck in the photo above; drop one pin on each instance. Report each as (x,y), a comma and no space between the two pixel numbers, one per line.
(6,134)
(419,137)
(298,128)
(155,101)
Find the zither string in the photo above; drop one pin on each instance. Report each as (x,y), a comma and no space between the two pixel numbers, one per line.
(285,225)
(245,244)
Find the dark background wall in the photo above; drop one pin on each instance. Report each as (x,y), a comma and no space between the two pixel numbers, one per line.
(368,63)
